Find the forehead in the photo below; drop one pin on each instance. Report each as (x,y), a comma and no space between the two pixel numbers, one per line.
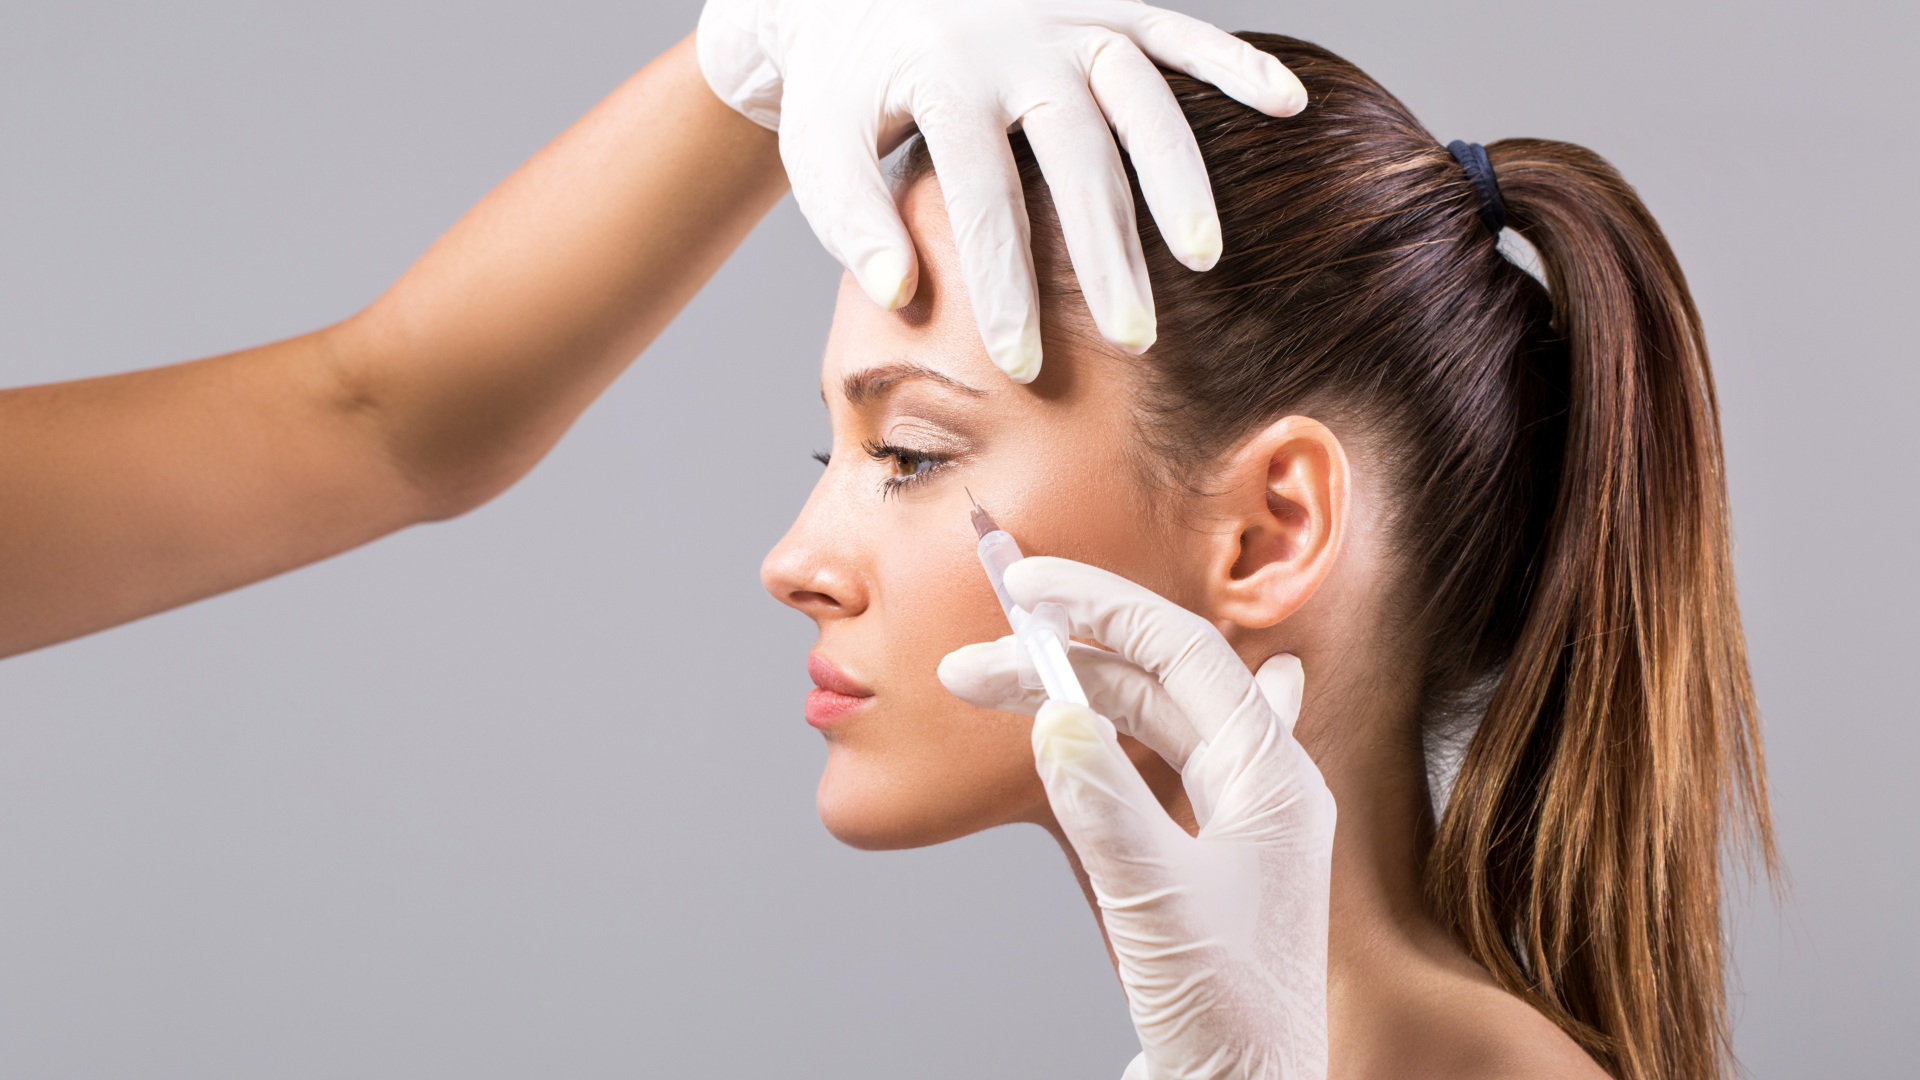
(936,332)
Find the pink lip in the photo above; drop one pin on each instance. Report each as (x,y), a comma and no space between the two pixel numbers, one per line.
(834,694)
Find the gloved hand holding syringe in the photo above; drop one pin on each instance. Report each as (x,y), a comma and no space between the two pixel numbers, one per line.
(1220,938)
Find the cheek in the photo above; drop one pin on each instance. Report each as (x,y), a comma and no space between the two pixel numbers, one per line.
(920,766)
(1098,512)
(933,594)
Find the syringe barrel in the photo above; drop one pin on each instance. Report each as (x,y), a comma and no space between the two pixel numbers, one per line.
(997,552)
(1043,634)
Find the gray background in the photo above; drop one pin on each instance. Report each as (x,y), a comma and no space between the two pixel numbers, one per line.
(528,794)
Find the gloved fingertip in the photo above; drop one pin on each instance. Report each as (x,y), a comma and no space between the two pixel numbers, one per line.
(976,650)
(1197,244)
(1065,732)
(1018,357)
(1029,578)
(963,668)
(888,279)
(1284,87)
(1132,327)
(959,663)
(1019,572)
(1258,79)
(1282,681)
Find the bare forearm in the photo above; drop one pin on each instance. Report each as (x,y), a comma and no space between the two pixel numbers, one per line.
(126,495)
(487,349)
(131,494)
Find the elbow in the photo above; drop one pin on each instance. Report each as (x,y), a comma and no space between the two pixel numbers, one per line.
(431,452)
(447,493)
(452,463)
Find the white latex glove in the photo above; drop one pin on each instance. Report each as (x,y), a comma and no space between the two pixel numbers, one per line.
(1221,939)
(844,82)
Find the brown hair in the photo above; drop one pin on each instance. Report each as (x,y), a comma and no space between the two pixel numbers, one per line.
(1562,512)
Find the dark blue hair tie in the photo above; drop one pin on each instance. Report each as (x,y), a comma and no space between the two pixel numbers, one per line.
(1473,158)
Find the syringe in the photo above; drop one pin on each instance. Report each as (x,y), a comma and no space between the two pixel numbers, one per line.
(1042,632)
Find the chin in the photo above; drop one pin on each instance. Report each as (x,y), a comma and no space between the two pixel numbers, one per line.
(872,814)
(878,809)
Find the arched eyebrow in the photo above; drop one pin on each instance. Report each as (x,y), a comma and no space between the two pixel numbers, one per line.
(867,384)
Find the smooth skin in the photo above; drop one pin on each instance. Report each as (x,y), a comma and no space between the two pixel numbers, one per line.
(1288,552)
(131,494)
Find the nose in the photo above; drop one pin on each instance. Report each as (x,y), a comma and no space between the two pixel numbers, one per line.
(810,571)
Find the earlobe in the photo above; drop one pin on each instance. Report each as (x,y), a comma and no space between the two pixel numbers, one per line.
(1288,513)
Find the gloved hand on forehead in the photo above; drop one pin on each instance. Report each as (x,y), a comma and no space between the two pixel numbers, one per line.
(1221,939)
(844,82)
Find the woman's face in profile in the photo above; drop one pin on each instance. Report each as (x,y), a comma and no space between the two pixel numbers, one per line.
(882,556)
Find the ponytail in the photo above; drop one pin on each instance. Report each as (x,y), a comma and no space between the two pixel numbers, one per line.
(1579,855)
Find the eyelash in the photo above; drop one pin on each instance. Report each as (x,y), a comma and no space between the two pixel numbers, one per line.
(921,462)
(880,451)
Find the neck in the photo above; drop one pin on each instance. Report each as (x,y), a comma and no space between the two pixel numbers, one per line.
(1367,745)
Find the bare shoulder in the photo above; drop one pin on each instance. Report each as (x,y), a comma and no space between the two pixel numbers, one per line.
(1495,1035)
(1454,1022)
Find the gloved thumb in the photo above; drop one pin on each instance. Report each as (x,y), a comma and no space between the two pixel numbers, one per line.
(1120,831)
(1282,682)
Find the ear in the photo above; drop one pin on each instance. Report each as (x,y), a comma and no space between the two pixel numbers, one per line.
(1286,506)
